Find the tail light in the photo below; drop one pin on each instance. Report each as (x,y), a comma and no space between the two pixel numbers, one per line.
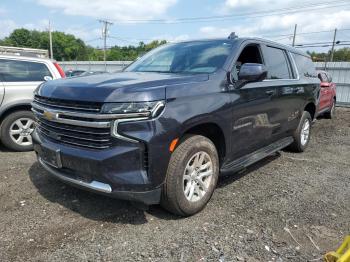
(59,69)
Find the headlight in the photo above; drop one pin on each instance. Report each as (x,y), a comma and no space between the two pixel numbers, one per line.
(132,111)
(135,109)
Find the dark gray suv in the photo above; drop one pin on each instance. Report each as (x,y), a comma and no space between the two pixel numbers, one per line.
(164,129)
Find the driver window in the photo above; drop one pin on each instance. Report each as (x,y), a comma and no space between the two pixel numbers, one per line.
(250,54)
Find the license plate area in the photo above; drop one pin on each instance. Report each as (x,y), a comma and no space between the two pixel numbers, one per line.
(51,157)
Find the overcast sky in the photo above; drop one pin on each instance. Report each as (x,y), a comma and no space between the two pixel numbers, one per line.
(245,17)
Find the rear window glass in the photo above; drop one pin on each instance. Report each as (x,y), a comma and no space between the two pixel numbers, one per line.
(306,67)
(277,63)
(22,71)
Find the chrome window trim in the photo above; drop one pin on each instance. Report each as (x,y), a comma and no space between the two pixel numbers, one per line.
(294,64)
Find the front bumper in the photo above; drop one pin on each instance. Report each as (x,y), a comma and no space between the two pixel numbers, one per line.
(115,172)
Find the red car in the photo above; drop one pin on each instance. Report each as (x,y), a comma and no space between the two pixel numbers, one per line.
(328,95)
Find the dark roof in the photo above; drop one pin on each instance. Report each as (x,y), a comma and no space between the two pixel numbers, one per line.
(287,47)
(242,39)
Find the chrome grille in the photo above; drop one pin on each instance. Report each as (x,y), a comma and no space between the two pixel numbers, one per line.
(61,104)
(87,137)
(74,123)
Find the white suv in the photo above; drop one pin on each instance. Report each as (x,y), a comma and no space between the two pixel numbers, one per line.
(19,77)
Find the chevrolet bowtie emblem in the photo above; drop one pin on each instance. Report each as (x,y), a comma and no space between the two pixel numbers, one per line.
(49,115)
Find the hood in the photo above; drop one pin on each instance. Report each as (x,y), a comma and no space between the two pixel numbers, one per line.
(116,87)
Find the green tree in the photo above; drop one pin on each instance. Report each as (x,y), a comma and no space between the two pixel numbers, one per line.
(67,47)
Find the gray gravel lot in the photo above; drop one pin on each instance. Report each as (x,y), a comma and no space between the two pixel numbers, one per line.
(289,207)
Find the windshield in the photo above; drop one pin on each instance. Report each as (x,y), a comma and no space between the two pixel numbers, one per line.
(188,57)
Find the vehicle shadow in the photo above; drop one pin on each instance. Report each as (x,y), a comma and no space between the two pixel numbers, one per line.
(3,149)
(89,205)
(102,208)
(231,178)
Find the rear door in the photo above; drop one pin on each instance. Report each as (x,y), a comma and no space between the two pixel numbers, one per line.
(282,79)
(287,101)
(20,78)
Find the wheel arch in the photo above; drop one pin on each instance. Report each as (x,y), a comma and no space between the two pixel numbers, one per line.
(311,108)
(9,109)
(213,132)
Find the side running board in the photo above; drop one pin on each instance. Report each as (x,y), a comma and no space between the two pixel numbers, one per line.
(254,157)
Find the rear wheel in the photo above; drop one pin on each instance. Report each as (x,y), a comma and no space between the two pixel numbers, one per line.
(302,134)
(16,130)
(331,113)
(191,176)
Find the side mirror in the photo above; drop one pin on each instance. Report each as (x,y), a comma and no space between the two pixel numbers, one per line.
(251,72)
(47,78)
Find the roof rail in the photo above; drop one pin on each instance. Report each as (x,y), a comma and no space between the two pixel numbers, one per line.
(21,51)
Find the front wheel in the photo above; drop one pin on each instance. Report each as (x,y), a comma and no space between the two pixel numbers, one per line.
(191,176)
(302,134)
(16,130)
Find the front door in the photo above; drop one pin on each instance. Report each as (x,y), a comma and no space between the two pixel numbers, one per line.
(254,112)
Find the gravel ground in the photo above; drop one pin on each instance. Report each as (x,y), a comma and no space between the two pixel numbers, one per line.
(288,207)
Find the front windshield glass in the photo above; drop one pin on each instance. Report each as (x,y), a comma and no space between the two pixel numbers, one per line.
(188,57)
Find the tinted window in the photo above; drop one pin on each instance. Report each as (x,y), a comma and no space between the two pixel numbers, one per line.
(22,71)
(305,66)
(277,63)
(188,57)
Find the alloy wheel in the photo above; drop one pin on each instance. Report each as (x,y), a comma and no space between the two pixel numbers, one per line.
(305,132)
(21,130)
(197,176)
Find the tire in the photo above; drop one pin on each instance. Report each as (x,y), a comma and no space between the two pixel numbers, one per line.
(22,125)
(183,175)
(300,140)
(331,113)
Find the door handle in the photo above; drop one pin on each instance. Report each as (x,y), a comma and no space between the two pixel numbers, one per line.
(270,92)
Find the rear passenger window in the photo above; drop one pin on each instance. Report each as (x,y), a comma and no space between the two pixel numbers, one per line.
(22,71)
(277,63)
(305,65)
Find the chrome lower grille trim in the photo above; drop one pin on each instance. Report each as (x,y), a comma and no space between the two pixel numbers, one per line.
(94,185)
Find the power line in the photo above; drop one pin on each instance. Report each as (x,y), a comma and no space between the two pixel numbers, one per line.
(264,13)
(328,45)
(309,33)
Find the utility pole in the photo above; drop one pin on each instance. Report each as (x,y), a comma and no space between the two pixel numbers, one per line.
(295,34)
(50,37)
(105,25)
(334,38)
